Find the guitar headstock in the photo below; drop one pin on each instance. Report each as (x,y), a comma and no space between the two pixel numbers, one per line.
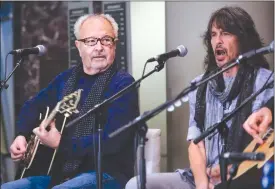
(68,104)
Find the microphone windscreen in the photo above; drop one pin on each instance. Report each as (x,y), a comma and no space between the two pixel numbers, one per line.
(42,50)
(183,50)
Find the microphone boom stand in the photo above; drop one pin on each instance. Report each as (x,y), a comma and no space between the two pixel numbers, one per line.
(149,114)
(97,108)
(3,83)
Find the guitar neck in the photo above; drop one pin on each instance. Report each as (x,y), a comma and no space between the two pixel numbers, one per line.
(49,118)
(66,106)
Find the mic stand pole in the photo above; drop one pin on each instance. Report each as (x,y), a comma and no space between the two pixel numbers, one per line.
(232,172)
(223,130)
(101,106)
(141,147)
(3,83)
(141,157)
(99,115)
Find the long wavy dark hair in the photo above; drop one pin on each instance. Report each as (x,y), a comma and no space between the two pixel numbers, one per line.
(238,22)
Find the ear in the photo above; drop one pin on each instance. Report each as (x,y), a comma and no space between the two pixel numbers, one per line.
(77,44)
(115,43)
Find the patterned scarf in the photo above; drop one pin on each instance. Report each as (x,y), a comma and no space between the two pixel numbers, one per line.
(84,127)
(241,87)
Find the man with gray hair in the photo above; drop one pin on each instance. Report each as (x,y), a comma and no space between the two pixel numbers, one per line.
(99,79)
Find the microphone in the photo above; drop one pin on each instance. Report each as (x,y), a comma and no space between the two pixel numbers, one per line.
(263,50)
(180,51)
(235,156)
(39,50)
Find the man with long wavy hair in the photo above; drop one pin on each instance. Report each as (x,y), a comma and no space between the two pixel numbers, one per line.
(230,32)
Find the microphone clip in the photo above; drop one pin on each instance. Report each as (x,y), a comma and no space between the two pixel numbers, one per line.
(160,65)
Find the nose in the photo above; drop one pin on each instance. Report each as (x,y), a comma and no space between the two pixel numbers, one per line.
(98,46)
(219,39)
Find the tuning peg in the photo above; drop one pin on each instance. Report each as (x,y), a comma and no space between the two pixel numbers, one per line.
(67,114)
(76,111)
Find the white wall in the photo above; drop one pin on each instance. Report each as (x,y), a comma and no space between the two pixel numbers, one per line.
(147,40)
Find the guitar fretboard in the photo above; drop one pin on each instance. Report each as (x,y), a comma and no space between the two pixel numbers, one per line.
(264,137)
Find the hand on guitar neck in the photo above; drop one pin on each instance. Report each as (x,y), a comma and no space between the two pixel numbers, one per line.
(258,123)
(49,138)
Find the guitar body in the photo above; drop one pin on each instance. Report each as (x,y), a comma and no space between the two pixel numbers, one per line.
(250,173)
(250,180)
(38,158)
(40,163)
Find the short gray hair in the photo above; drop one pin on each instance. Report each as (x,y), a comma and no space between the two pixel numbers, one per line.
(83,18)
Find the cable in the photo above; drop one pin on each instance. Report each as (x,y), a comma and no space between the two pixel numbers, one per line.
(6,64)
(144,69)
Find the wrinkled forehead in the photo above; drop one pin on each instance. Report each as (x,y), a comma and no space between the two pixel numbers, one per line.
(96,26)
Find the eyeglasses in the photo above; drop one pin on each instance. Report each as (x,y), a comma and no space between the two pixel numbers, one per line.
(91,41)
